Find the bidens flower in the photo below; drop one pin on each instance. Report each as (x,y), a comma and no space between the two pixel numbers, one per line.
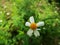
(33,27)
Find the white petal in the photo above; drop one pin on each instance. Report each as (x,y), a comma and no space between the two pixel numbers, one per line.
(31,19)
(38,29)
(29,32)
(27,24)
(40,24)
(36,33)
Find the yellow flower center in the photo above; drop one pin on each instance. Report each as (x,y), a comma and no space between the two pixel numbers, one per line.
(33,26)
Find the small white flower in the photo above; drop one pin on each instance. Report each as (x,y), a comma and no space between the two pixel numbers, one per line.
(0,20)
(33,27)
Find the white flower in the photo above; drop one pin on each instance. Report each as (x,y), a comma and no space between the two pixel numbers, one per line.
(33,27)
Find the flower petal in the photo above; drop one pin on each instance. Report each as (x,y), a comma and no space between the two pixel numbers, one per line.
(38,29)
(36,33)
(31,19)
(27,24)
(29,32)
(40,24)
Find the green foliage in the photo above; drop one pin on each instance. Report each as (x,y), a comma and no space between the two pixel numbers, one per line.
(15,13)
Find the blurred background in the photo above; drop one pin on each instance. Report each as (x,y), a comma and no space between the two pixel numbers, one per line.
(14,14)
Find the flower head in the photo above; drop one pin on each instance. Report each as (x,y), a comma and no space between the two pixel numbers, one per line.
(33,27)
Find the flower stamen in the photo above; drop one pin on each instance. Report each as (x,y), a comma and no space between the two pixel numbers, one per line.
(33,26)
